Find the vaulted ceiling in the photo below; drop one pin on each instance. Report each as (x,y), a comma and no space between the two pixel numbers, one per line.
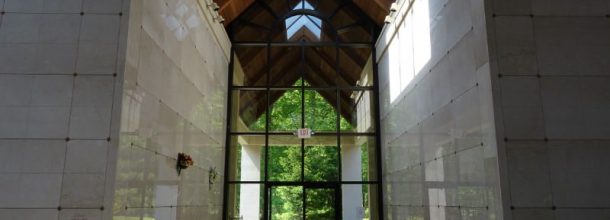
(345,29)
(375,9)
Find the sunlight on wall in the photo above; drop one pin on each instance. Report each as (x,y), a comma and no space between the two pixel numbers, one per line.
(181,21)
(421,34)
(411,49)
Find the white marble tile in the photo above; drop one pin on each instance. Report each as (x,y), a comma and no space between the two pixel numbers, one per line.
(533,214)
(59,28)
(529,174)
(572,45)
(23,6)
(28,214)
(37,58)
(88,214)
(441,82)
(462,67)
(93,91)
(13,122)
(82,190)
(569,8)
(11,152)
(594,100)
(40,28)
(19,28)
(55,58)
(471,166)
(94,58)
(62,6)
(512,7)
(48,122)
(108,6)
(577,173)
(40,190)
(459,21)
(10,183)
(575,214)
(30,190)
(524,122)
(520,92)
(562,112)
(593,91)
(564,122)
(516,48)
(15,90)
(51,90)
(86,156)
(100,29)
(595,120)
(17,58)
(90,122)
(45,6)
(467,116)
(42,156)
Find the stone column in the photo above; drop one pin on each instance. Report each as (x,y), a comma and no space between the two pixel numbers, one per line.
(249,195)
(351,165)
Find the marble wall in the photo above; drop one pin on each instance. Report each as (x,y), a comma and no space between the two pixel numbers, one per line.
(174,100)
(551,79)
(439,148)
(60,71)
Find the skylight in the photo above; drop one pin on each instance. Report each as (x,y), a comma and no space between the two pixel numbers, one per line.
(295,23)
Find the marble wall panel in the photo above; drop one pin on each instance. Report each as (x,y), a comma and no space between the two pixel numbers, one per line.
(58,74)
(174,97)
(438,133)
(550,80)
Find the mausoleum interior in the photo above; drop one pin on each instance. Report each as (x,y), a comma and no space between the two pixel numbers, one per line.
(304,109)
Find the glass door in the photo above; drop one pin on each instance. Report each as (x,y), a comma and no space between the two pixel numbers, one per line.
(321,203)
(315,202)
(285,202)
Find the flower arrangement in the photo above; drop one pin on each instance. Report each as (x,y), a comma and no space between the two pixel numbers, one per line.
(184,161)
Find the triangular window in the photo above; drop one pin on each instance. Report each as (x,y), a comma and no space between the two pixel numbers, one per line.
(295,23)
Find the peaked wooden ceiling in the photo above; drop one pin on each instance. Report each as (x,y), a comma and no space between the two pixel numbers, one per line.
(375,9)
(346,22)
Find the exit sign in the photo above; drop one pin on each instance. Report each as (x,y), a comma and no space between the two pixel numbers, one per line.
(304,133)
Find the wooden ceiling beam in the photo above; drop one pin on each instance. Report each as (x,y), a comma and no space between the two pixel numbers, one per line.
(232,9)
(353,55)
(260,74)
(319,71)
(276,94)
(329,95)
(255,25)
(324,57)
(287,68)
(374,9)
(267,8)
